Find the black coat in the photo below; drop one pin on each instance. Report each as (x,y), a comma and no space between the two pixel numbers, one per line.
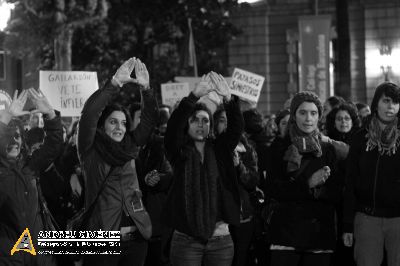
(304,218)
(372,182)
(152,157)
(19,203)
(175,141)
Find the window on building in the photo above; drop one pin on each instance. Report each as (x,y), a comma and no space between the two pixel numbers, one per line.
(2,65)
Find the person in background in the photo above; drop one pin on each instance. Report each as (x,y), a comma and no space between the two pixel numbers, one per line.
(260,140)
(363,111)
(155,177)
(341,124)
(107,147)
(203,199)
(21,205)
(372,191)
(305,185)
(245,162)
(165,114)
(330,103)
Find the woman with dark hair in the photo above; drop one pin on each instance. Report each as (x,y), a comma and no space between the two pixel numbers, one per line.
(372,190)
(203,199)
(342,122)
(305,185)
(107,147)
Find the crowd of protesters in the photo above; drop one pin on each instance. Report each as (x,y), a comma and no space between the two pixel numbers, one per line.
(315,184)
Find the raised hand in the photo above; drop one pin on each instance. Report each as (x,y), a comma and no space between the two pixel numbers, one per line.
(221,86)
(123,74)
(41,103)
(203,87)
(18,103)
(142,75)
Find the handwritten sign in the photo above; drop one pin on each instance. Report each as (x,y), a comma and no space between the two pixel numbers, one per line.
(246,85)
(67,91)
(5,100)
(174,92)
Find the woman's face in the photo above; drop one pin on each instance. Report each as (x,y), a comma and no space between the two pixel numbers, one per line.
(387,109)
(199,126)
(115,125)
(343,122)
(307,117)
(14,147)
(222,122)
(282,125)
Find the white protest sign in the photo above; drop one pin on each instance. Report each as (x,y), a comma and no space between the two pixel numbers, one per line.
(194,80)
(5,100)
(174,92)
(67,91)
(246,85)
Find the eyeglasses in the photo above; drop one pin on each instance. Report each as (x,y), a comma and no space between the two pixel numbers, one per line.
(344,118)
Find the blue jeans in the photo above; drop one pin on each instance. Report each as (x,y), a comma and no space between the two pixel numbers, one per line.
(189,251)
(372,235)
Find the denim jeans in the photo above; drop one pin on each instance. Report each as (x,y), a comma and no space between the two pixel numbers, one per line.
(189,251)
(374,234)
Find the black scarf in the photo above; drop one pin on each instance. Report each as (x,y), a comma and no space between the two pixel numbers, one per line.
(201,191)
(115,153)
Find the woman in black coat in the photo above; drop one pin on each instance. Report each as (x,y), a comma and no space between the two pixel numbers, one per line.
(204,198)
(306,189)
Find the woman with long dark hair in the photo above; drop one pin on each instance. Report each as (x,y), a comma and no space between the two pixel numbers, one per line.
(107,147)
(203,199)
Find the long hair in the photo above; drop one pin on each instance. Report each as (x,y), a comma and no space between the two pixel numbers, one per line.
(111,108)
(331,117)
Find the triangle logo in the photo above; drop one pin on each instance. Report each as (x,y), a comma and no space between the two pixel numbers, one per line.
(24,243)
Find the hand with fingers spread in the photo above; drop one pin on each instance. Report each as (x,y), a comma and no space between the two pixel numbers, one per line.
(222,87)
(203,87)
(41,103)
(18,103)
(142,75)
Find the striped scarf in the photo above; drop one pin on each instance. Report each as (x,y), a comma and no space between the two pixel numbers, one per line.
(387,140)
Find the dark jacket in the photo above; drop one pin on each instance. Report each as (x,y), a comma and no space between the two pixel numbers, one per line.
(175,142)
(304,218)
(372,182)
(118,191)
(152,157)
(19,203)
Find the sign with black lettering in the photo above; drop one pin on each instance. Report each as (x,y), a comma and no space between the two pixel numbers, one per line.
(67,91)
(246,85)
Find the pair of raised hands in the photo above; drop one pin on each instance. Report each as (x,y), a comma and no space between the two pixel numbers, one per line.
(40,101)
(213,82)
(123,74)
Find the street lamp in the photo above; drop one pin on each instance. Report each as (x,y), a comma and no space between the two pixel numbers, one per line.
(5,12)
(385,52)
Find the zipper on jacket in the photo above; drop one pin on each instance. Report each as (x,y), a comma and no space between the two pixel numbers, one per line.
(375,181)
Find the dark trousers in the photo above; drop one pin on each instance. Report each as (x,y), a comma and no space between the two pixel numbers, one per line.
(133,253)
(294,258)
(242,237)
(158,250)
